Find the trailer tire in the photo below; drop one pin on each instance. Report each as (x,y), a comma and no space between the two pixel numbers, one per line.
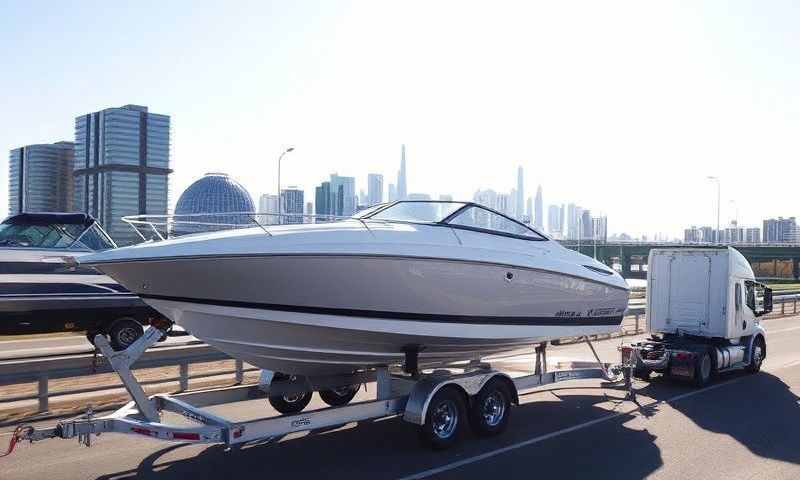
(703,369)
(490,409)
(642,374)
(124,332)
(336,397)
(444,420)
(757,357)
(290,404)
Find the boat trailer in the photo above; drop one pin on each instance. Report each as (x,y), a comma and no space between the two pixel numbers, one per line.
(413,397)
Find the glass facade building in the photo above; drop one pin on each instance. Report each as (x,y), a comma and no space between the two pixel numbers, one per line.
(39,178)
(122,166)
(216,193)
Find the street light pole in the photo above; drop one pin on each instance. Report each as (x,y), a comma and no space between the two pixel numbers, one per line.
(716,179)
(280,204)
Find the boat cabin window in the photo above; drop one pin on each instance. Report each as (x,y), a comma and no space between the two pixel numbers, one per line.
(53,235)
(417,211)
(477,218)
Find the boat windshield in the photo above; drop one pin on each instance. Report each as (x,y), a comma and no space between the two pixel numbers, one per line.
(54,235)
(417,211)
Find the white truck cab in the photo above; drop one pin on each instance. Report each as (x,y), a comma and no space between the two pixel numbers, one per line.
(703,309)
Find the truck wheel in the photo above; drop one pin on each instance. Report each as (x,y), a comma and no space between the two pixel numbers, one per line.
(444,421)
(123,332)
(336,397)
(703,370)
(757,358)
(491,409)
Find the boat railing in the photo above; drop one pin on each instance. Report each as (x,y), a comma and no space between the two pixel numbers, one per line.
(162,227)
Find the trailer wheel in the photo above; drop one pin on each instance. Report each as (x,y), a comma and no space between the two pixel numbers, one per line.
(703,370)
(757,358)
(291,403)
(491,409)
(642,374)
(124,332)
(336,397)
(444,419)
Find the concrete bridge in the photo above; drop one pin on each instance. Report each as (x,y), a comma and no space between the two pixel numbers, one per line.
(769,262)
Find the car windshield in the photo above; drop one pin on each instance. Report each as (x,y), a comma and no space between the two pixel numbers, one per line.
(54,235)
(478,218)
(418,211)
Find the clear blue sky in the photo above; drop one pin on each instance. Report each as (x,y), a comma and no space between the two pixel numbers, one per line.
(623,107)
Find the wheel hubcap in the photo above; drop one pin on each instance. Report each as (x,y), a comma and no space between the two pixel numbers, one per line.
(444,419)
(127,336)
(757,355)
(494,409)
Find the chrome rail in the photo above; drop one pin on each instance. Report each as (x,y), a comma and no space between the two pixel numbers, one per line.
(162,227)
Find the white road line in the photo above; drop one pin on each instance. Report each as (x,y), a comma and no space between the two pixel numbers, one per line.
(484,456)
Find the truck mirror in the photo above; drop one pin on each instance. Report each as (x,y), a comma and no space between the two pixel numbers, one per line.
(767,300)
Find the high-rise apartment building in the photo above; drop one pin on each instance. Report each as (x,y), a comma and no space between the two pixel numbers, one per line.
(40,178)
(445,197)
(600,228)
(538,219)
(268,205)
(574,219)
(122,166)
(587,226)
(323,199)
(392,192)
(752,235)
(780,230)
(343,191)
(293,202)
(402,186)
(374,188)
(692,235)
(554,225)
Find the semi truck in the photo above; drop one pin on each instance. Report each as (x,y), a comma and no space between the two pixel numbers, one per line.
(703,312)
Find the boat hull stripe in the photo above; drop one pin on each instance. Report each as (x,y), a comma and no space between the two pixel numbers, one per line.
(420,317)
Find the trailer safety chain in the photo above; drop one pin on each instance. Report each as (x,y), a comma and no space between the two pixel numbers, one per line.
(16,437)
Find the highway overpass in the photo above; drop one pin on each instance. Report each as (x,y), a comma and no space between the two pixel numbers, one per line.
(769,262)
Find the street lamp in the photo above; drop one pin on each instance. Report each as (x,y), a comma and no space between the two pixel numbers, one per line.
(716,179)
(280,204)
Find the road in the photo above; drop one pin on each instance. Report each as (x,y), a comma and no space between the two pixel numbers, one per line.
(741,427)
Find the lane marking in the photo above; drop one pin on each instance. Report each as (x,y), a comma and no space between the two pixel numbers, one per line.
(541,438)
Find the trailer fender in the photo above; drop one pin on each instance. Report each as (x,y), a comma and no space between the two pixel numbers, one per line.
(424,390)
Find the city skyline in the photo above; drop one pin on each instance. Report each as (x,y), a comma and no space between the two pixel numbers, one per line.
(719,102)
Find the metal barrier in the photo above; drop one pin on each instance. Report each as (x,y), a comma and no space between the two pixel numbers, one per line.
(43,370)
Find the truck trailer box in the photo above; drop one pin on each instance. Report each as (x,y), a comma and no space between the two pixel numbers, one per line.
(709,292)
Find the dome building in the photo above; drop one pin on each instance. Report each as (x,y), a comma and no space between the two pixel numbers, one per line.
(215,193)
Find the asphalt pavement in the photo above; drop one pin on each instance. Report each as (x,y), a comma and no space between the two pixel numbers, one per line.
(741,427)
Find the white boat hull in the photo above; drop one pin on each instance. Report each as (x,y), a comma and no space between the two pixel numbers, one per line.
(320,314)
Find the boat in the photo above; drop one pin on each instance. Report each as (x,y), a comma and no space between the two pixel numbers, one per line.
(43,290)
(436,281)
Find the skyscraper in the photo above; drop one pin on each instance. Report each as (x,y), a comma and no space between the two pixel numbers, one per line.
(40,178)
(392,192)
(600,228)
(268,204)
(780,230)
(343,191)
(574,218)
(374,188)
(529,211)
(520,198)
(402,187)
(539,218)
(122,165)
(445,197)
(554,221)
(293,203)
(587,226)
(323,199)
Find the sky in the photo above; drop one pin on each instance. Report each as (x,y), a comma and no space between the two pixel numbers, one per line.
(621,107)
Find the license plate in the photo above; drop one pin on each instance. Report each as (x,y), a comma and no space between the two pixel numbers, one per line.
(680,370)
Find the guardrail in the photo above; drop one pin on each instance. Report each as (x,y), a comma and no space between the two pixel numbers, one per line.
(42,370)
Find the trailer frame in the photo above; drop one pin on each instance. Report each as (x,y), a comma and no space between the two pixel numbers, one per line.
(406,395)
